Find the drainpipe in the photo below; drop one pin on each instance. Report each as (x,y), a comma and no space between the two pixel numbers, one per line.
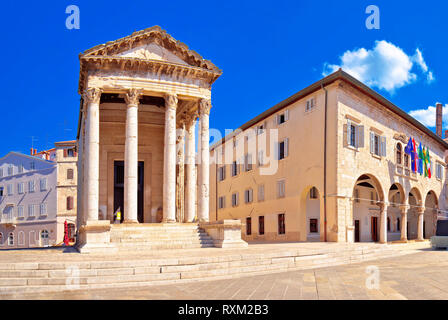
(325,164)
(216,188)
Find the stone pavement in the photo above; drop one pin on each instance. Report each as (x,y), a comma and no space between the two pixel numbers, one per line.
(420,275)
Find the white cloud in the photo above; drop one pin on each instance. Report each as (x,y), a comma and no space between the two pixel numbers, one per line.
(428,116)
(385,66)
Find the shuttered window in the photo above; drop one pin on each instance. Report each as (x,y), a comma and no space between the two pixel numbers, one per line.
(354,134)
(69,203)
(261,192)
(235,199)
(377,144)
(69,174)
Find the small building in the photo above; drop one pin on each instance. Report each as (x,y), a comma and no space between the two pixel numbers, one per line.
(331,163)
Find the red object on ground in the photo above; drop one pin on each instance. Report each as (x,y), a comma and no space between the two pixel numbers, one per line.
(66,241)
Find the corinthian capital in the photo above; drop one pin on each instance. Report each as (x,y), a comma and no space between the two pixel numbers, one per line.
(171,101)
(132,97)
(204,106)
(190,118)
(92,95)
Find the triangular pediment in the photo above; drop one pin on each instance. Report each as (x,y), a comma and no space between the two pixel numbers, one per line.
(151,44)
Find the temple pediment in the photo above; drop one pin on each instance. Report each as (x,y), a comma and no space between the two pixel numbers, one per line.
(152,44)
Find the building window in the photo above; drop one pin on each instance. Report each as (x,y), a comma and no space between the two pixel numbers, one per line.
(439,170)
(283,117)
(281,189)
(261,192)
(313,226)
(1,173)
(283,149)
(234,168)
(43,184)
(1,191)
(43,209)
(20,187)
(355,135)
(10,170)
(20,213)
(69,174)
(32,165)
(221,202)
(310,104)
(281,223)
(11,239)
(247,162)
(235,199)
(69,153)
(377,144)
(398,160)
(248,196)
(313,193)
(406,160)
(31,210)
(21,238)
(221,173)
(260,158)
(261,225)
(9,189)
(20,168)
(69,203)
(31,186)
(44,236)
(260,129)
(248,226)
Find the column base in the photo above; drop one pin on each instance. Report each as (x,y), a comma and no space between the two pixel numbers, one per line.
(130,222)
(94,237)
(225,233)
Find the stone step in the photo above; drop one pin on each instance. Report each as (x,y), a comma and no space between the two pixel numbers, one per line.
(162,236)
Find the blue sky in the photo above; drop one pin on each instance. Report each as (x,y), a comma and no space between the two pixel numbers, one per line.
(267,51)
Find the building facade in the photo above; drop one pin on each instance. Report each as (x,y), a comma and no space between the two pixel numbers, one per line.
(329,164)
(66,157)
(27,202)
(141,98)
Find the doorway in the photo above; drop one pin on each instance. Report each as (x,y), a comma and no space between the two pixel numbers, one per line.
(357,231)
(374,229)
(119,189)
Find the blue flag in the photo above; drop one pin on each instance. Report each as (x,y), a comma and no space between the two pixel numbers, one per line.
(409,147)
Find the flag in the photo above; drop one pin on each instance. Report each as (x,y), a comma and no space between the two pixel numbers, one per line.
(425,163)
(415,156)
(409,148)
(428,161)
(420,159)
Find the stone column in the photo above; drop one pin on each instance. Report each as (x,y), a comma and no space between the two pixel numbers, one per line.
(204,111)
(190,192)
(420,212)
(181,172)
(92,98)
(404,223)
(131,157)
(383,223)
(169,161)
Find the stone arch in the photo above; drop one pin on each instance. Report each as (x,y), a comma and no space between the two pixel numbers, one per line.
(430,215)
(396,198)
(367,194)
(414,201)
(311,207)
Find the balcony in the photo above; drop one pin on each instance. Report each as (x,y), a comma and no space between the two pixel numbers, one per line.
(8,220)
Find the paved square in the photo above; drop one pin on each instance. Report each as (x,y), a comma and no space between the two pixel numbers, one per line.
(420,275)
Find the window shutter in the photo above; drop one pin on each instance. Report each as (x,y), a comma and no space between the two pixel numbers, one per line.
(360,137)
(223,172)
(251,195)
(286,115)
(383,146)
(65,153)
(348,131)
(286,147)
(277,119)
(372,142)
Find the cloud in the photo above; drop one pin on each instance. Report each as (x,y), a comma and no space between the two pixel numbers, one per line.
(428,116)
(385,66)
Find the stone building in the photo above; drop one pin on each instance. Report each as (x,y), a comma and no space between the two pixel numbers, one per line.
(328,164)
(141,97)
(66,157)
(27,202)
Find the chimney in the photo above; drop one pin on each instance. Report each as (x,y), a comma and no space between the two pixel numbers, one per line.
(439,119)
(31,151)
